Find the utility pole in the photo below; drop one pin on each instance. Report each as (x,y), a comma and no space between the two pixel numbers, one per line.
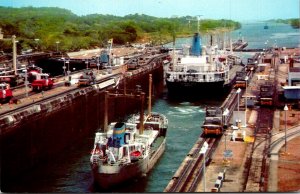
(1,34)
(14,49)
(14,54)
(203,151)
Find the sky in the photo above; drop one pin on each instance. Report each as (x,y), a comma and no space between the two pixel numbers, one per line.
(238,10)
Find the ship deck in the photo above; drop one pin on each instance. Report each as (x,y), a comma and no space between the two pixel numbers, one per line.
(158,141)
(232,73)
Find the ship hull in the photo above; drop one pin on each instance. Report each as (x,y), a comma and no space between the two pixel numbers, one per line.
(129,171)
(200,89)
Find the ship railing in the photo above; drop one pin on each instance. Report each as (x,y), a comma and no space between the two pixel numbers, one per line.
(199,72)
(194,80)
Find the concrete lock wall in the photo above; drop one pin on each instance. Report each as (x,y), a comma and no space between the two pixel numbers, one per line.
(39,137)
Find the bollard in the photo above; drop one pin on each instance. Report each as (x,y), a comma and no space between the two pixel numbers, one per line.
(221,176)
(218,184)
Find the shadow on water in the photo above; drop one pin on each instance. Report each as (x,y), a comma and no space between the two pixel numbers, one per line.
(68,172)
(197,98)
(136,185)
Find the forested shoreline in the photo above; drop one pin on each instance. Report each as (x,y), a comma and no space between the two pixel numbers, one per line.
(47,28)
(294,22)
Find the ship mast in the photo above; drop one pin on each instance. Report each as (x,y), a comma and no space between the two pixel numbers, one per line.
(198,22)
(139,95)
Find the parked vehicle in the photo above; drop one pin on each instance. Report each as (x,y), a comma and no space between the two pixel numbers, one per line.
(12,80)
(5,93)
(42,82)
(32,72)
(87,78)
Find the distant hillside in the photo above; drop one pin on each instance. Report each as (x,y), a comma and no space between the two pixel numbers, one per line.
(41,28)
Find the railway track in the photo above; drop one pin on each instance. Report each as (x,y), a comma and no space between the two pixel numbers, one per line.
(187,178)
(258,161)
(256,169)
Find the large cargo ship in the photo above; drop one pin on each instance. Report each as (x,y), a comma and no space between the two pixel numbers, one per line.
(128,149)
(204,71)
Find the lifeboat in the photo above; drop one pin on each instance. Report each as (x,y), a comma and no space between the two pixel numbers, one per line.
(135,155)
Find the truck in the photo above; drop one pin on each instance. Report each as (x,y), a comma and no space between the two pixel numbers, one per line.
(5,93)
(87,78)
(42,82)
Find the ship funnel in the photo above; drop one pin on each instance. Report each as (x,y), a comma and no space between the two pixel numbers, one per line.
(118,134)
(196,45)
(104,57)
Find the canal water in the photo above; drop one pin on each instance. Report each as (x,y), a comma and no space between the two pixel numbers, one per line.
(282,35)
(70,172)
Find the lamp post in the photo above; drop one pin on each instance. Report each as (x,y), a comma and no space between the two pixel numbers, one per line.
(246,80)
(14,41)
(225,113)
(57,42)
(68,62)
(98,65)
(238,106)
(26,82)
(285,110)
(64,67)
(203,151)
(86,62)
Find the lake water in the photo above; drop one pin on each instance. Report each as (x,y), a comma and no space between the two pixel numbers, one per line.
(282,35)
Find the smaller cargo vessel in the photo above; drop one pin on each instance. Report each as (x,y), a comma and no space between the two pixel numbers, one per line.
(130,149)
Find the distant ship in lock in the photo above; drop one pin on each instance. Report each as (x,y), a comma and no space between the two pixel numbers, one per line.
(204,71)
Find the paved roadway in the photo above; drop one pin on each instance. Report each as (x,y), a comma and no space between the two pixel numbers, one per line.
(117,52)
(55,90)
